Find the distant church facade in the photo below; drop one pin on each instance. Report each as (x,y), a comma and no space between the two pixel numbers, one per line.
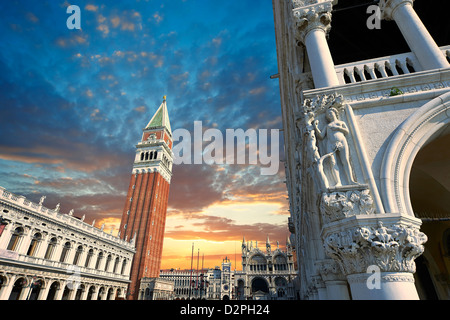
(367,158)
(267,274)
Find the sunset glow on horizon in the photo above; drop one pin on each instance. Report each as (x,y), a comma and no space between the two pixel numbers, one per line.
(74,103)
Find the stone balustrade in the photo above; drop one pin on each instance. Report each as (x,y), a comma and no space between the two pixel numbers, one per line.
(383,67)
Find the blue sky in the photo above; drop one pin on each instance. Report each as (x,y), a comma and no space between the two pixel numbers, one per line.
(73,104)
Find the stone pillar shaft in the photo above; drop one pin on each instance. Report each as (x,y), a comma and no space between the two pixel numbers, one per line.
(322,65)
(312,26)
(337,290)
(416,34)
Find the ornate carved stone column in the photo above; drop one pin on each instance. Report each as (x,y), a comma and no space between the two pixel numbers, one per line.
(376,252)
(334,280)
(312,24)
(414,32)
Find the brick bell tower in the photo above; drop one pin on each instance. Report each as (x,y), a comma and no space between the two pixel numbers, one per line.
(144,213)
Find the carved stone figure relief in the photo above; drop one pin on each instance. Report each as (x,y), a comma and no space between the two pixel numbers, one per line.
(334,135)
(324,156)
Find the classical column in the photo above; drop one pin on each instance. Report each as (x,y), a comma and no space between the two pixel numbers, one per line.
(71,253)
(376,252)
(82,258)
(335,282)
(57,250)
(95,293)
(84,293)
(113,294)
(26,240)
(312,23)
(43,293)
(59,293)
(101,265)
(6,291)
(6,236)
(415,33)
(42,247)
(72,293)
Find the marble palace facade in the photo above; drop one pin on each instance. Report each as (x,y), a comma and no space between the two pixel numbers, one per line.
(366,158)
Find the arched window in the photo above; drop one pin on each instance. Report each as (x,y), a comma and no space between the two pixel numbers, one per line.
(124,264)
(146,156)
(101,292)
(80,291)
(99,260)
(280,263)
(258,263)
(64,252)
(155,156)
(116,264)
(16,291)
(53,290)
(34,244)
(36,286)
(51,248)
(15,240)
(77,255)
(142,156)
(89,257)
(108,261)
(90,293)
(110,293)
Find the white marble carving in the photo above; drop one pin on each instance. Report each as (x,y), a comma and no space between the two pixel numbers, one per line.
(339,205)
(391,248)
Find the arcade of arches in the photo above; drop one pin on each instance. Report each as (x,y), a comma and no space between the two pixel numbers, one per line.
(32,288)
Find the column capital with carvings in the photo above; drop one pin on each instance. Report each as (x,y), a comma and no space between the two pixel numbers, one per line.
(329,270)
(389,242)
(310,15)
(388,7)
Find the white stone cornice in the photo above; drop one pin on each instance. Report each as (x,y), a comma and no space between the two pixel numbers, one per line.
(47,220)
(165,173)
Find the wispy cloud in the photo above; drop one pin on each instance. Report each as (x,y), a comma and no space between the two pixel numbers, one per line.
(74,102)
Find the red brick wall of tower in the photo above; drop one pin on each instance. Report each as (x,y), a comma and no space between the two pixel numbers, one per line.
(144,214)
